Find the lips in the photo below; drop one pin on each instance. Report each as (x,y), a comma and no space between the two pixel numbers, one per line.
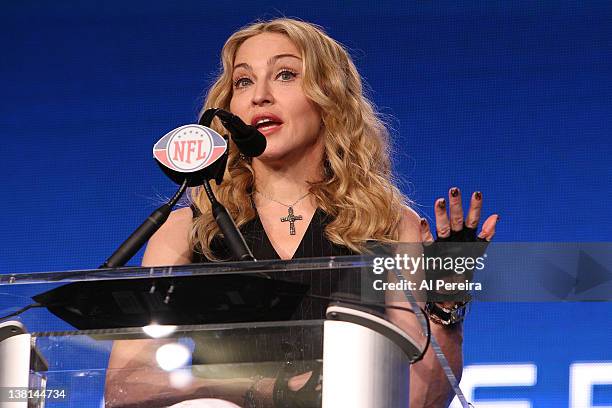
(266,123)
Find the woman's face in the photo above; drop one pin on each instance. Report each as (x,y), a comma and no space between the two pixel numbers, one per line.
(267,93)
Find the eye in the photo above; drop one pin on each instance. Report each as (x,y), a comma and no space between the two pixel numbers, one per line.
(242,82)
(286,75)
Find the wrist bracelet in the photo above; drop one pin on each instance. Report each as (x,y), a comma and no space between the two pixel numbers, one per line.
(446,316)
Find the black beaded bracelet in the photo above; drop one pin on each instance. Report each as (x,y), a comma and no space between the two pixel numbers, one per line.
(250,398)
(446,316)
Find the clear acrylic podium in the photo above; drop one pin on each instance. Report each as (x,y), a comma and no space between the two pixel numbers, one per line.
(129,337)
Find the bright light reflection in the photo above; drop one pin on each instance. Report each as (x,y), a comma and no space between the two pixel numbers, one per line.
(156,330)
(172,356)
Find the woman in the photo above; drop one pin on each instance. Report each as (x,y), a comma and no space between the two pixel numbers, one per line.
(326,163)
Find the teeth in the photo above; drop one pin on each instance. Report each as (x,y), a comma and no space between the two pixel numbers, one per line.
(259,122)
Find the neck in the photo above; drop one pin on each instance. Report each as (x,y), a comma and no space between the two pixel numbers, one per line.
(286,182)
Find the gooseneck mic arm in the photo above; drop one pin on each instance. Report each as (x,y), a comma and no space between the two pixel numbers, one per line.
(233,238)
(142,234)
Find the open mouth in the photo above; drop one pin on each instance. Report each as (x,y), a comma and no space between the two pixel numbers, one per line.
(267,126)
(267,123)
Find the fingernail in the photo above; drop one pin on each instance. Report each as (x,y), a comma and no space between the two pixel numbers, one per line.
(497,220)
(478,195)
(442,204)
(454,191)
(423,222)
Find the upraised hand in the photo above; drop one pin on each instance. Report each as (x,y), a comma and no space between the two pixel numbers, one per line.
(455,228)
(459,240)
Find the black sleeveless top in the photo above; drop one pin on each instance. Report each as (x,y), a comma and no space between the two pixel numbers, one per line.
(304,344)
(314,244)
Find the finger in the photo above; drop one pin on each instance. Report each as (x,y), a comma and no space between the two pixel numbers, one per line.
(473,217)
(442,224)
(456,209)
(295,383)
(426,236)
(488,228)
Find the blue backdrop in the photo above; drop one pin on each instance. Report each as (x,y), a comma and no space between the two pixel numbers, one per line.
(511,98)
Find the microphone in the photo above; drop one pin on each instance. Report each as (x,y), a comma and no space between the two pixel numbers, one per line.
(248,139)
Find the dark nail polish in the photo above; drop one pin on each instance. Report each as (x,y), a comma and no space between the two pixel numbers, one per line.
(454,191)
(478,195)
(442,204)
(497,220)
(423,222)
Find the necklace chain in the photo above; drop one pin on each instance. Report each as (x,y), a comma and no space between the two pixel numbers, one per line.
(286,205)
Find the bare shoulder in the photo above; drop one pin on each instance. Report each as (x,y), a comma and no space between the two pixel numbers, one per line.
(178,222)
(410,226)
(182,214)
(170,244)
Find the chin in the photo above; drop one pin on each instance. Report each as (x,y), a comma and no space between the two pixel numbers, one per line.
(272,157)
(275,154)
(274,151)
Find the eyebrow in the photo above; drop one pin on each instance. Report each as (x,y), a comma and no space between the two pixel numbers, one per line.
(271,61)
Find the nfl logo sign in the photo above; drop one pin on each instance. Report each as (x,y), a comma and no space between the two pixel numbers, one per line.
(189,148)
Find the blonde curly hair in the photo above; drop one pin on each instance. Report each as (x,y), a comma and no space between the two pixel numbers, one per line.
(358,188)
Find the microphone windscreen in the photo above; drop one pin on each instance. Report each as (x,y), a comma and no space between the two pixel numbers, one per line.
(251,144)
(248,139)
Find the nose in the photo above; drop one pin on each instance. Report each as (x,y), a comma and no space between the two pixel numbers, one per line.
(262,94)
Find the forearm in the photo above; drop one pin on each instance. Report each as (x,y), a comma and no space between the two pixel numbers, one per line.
(152,388)
(146,388)
(429,387)
(134,379)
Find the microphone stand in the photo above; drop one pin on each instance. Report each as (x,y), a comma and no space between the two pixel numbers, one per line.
(233,237)
(130,246)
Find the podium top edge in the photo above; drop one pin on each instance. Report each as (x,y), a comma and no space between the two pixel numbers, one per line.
(212,268)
